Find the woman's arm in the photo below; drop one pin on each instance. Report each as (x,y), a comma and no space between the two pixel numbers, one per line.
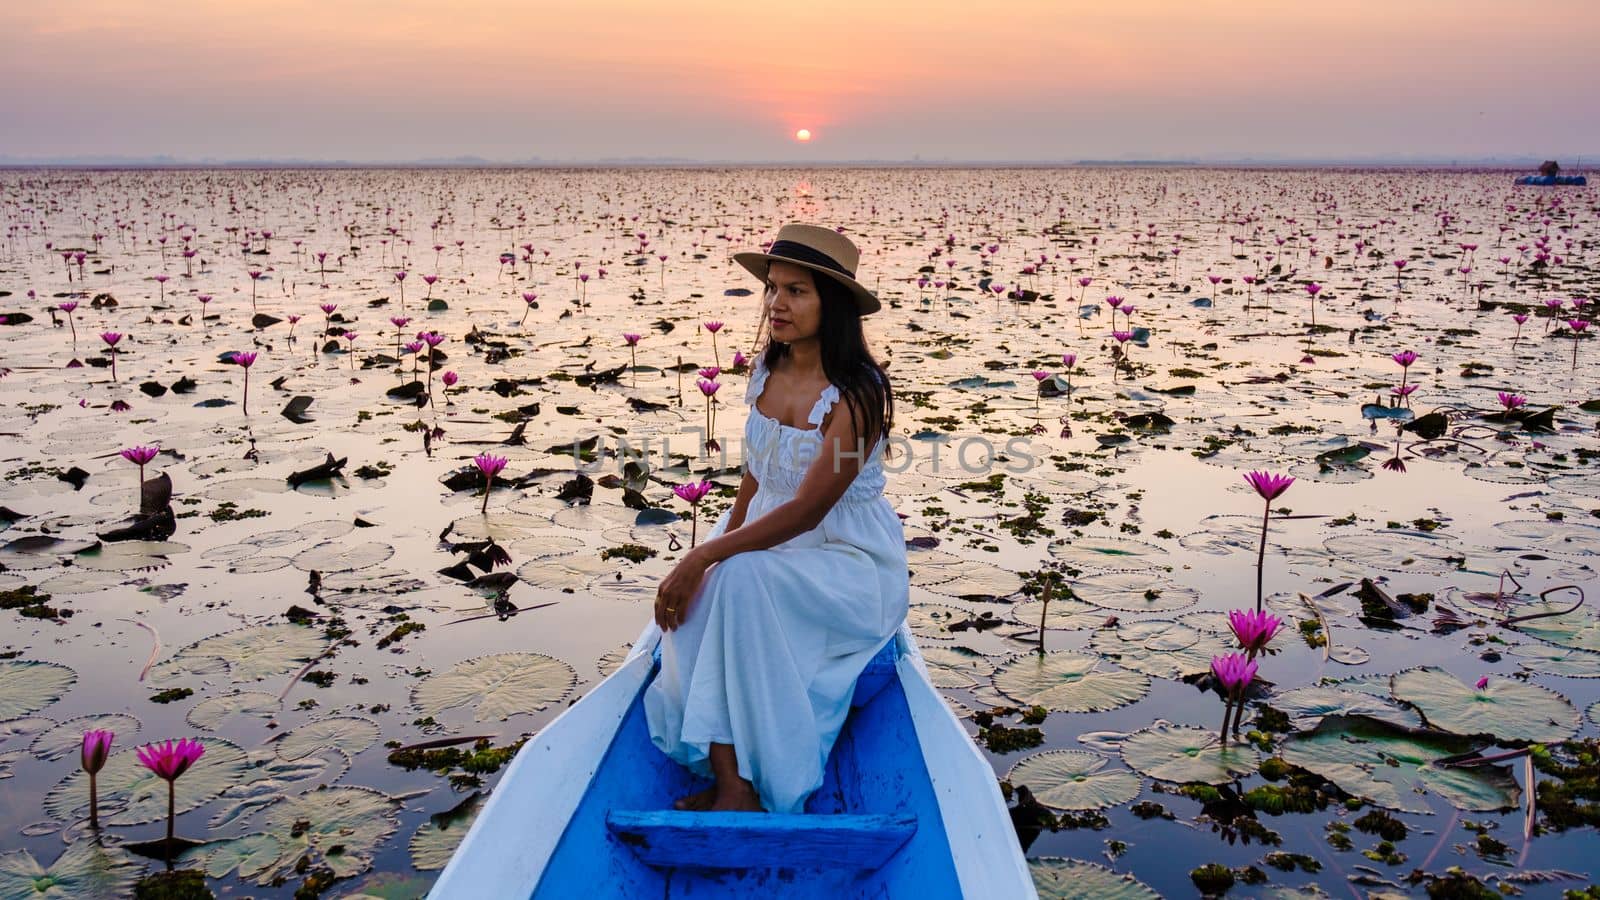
(741,504)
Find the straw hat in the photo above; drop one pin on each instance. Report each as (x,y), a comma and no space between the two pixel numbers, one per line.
(817,248)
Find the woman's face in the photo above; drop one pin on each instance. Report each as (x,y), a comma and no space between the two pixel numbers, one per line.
(794,308)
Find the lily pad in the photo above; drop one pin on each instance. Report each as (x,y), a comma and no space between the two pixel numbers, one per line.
(1161,648)
(335,556)
(1110,554)
(1396,552)
(339,827)
(1072,779)
(249,855)
(211,712)
(1065,681)
(1058,878)
(1547,660)
(27,686)
(497,686)
(1307,706)
(1392,766)
(436,839)
(956,667)
(1063,614)
(1134,592)
(67,738)
(1184,753)
(84,869)
(1506,708)
(347,734)
(245,654)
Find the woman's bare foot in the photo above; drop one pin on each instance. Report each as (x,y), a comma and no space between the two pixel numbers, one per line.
(700,801)
(739,797)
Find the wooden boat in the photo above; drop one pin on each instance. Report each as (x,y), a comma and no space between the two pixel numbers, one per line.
(908,808)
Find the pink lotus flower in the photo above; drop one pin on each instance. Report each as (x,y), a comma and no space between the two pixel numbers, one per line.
(693,493)
(110,337)
(169,761)
(96,747)
(1122,337)
(710,372)
(449,379)
(712,327)
(1313,288)
(1069,359)
(708,387)
(140,456)
(1482,682)
(490,465)
(1405,358)
(631,339)
(739,359)
(1404,390)
(1269,485)
(1040,374)
(1253,629)
(68,306)
(245,359)
(1511,401)
(431,338)
(1235,672)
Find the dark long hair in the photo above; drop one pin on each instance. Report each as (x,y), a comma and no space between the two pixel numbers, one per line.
(846,360)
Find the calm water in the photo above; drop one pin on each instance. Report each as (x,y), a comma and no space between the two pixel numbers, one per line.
(1148,518)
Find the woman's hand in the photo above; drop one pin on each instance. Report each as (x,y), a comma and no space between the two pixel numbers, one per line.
(677,591)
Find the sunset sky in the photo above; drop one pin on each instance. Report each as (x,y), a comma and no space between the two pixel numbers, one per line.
(566,80)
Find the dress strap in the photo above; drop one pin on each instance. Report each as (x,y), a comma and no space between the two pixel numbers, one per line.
(758,380)
(830,396)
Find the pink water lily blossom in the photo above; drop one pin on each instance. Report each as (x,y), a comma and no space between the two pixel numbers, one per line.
(96,747)
(169,761)
(490,465)
(1511,401)
(692,493)
(1268,484)
(1253,629)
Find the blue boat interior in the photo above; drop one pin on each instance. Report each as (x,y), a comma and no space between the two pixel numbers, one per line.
(873,830)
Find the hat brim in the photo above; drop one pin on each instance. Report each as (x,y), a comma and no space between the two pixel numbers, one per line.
(756,263)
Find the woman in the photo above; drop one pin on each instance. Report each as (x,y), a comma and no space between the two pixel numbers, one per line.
(767,623)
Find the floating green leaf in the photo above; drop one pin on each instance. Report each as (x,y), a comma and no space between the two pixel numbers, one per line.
(497,686)
(27,686)
(347,734)
(84,869)
(249,855)
(1136,592)
(67,738)
(1306,706)
(336,556)
(1063,614)
(245,654)
(1057,878)
(340,827)
(1506,708)
(1161,648)
(436,839)
(1547,660)
(1184,753)
(211,712)
(956,667)
(1071,779)
(1391,766)
(1064,681)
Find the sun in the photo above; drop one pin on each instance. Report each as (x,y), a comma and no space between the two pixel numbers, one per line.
(803,135)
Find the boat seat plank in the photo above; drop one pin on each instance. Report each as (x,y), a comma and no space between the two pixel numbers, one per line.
(743,840)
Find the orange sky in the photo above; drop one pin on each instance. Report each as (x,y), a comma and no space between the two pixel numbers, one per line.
(398,79)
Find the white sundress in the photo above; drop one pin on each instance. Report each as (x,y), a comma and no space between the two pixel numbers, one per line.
(768,656)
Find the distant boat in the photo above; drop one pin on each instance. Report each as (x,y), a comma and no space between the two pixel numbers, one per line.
(1550,174)
(908,808)
(1547,180)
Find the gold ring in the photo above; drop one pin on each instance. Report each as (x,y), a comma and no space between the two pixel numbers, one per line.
(672,609)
